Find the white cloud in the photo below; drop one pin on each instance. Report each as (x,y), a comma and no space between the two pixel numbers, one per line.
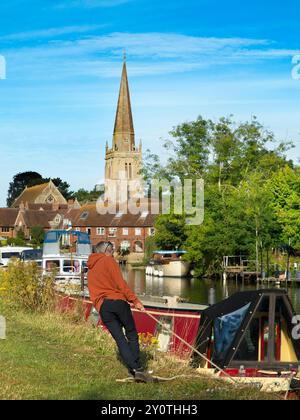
(150,53)
(50,33)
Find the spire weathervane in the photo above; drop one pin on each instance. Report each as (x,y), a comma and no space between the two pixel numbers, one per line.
(124,55)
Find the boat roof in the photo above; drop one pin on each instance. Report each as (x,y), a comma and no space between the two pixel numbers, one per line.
(230,321)
(162,303)
(14,248)
(170,252)
(53,236)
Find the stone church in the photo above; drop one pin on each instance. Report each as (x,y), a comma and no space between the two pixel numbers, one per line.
(124,160)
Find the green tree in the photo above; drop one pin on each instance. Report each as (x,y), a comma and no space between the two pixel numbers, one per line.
(37,234)
(170,232)
(84,196)
(237,165)
(19,240)
(20,182)
(285,188)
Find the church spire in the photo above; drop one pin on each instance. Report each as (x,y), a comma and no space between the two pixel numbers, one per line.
(124,130)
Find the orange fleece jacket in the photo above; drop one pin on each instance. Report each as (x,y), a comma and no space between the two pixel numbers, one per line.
(105,280)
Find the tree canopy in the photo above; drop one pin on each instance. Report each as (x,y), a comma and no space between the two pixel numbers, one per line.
(252,192)
(20,182)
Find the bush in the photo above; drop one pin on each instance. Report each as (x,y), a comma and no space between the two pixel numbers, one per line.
(22,286)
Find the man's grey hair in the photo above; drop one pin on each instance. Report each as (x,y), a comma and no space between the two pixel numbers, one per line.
(102,247)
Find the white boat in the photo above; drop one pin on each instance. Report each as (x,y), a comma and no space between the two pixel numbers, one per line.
(66,252)
(8,252)
(168,264)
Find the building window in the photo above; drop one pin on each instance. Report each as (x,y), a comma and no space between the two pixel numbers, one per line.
(89,231)
(84,215)
(101,231)
(5,229)
(112,233)
(138,232)
(151,231)
(130,171)
(50,199)
(125,231)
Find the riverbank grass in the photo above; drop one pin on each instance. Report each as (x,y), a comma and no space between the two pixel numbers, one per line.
(50,356)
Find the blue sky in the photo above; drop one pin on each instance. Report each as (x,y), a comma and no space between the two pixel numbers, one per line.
(185,58)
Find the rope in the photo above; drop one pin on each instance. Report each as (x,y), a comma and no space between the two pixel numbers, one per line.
(192,348)
(158,378)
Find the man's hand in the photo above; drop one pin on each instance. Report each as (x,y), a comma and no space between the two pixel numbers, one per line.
(139,306)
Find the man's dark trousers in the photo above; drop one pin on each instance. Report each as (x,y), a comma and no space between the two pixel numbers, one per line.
(115,315)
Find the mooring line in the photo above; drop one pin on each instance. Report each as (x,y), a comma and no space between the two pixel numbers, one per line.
(192,348)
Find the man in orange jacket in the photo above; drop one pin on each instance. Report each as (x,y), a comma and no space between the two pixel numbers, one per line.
(111,296)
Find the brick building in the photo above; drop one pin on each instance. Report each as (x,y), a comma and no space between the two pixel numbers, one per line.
(126,231)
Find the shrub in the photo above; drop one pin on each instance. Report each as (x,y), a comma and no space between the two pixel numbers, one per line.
(22,286)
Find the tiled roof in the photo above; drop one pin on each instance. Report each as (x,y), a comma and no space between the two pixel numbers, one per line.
(8,217)
(89,217)
(45,206)
(30,194)
(42,218)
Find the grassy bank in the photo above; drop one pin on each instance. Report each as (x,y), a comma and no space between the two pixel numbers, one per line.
(49,356)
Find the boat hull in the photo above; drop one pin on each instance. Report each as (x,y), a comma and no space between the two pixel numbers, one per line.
(183,321)
(172,269)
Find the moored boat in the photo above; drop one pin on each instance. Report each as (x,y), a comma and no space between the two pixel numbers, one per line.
(168,264)
(253,337)
(66,252)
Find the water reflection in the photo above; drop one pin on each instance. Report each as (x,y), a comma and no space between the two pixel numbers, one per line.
(194,290)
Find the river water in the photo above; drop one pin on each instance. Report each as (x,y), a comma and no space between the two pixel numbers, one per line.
(202,291)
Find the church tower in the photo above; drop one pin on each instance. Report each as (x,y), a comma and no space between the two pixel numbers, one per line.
(123,161)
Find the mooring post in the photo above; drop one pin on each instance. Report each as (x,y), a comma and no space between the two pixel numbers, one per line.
(2,328)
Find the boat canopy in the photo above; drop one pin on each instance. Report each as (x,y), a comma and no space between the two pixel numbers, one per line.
(252,329)
(54,239)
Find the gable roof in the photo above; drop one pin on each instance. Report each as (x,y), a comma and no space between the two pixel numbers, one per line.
(30,194)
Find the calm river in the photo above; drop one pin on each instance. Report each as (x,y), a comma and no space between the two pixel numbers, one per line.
(194,290)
